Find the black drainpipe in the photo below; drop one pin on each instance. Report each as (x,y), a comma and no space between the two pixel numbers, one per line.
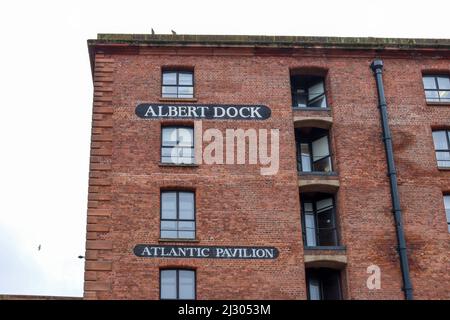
(377,67)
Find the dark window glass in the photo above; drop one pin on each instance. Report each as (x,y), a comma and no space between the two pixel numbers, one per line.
(177,284)
(447,210)
(323,284)
(177,215)
(319,222)
(308,92)
(313,150)
(441,141)
(437,88)
(177,145)
(177,84)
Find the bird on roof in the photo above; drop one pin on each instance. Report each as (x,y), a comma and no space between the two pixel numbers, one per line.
(173,32)
(153,31)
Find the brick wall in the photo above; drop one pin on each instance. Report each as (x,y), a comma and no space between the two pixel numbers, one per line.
(236,205)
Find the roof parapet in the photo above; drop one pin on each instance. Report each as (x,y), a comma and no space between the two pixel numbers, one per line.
(271,41)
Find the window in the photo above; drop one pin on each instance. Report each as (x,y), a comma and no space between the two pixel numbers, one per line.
(177,84)
(313,151)
(177,284)
(323,284)
(447,210)
(177,215)
(177,145)
(437,88)
(308,92)
(319,222)
(441,141)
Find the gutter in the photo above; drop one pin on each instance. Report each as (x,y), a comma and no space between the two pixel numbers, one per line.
(377,68)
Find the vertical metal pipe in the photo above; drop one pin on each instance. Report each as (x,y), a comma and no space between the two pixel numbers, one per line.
(377,68)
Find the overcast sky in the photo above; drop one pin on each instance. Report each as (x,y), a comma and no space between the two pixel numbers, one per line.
(46,104)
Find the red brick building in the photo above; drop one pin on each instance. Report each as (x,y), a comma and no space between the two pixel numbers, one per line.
(162,223)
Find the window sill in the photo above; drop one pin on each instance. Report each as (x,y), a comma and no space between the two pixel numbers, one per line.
(437,103)
(443,168)
(336,248)
(178,240)
(318,173)
(311,109)
(178,99)
(191,165)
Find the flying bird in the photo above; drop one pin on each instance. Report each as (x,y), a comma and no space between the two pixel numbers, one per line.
(39,247)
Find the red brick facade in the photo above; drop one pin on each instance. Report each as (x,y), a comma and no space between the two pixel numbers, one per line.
(235,204)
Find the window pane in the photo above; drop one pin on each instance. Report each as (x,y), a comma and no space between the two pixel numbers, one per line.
(168,205)
(429,83)
(168,225)
(305,157)
(431,95)
(443,158)
(440,140)
(187,155)
(186,205)
(315,90)
(327,234)
(331,286)
(300,98)
(185,137)
(320,102)
(308,206)
(442,155)
(443,82)
(186,160)
(447,202)
(310,226)
(186,225)
(166,152)
(185,92)
(169,78)
(169,159)
(186,234)
(324,204)
(323,165)
(168,284)
(176,152)
(187,284)
(314,289)
(444,95)
(169,234)
(169,92)
(320,148)
(169,136)
(185,79)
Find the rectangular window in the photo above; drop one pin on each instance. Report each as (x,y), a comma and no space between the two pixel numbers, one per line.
(177,145)
(323,284)
(437,88)
(177,284)
(319,223)
(441,139)
(177,84)
(447,210)
(177,215)
(308,92)
(313,150)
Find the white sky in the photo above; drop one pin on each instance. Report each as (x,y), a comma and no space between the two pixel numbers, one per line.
(46,103)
